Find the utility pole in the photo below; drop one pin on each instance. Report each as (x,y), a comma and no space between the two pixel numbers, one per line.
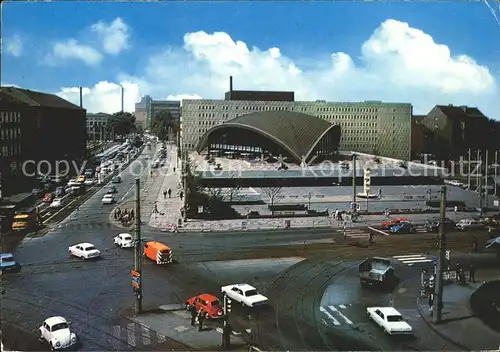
(486,180)
(496,171)
(226,330)
(137,250)
(468,174)
(478,167)
(438,288)
(123,103)
(354,180)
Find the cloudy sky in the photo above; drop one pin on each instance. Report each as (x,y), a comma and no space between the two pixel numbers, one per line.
(424,53)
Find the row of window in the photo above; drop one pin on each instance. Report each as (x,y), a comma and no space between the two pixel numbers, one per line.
(241,148)
(9,116)
(96,123)
(11,150)
(7,133)
(293,108)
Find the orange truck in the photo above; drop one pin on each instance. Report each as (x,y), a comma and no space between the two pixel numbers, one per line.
(158,252)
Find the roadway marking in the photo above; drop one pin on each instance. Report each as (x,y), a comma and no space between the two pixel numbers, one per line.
(131,334)
(117,337)
(181,328)
(413,259)
(327,313)
(146,337)
(346,319)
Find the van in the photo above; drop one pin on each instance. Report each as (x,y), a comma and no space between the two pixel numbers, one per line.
(158,252)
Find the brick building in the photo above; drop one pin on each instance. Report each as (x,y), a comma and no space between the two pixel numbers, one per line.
(39,127)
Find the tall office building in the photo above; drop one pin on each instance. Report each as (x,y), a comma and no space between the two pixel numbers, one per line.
(146,109)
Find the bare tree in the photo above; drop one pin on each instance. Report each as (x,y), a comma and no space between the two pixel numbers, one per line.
(272,193)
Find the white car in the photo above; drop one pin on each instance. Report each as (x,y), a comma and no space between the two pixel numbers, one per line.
(73,182)
(56,203)
(245,294)
(390,320)
(55,331)
(124,240)
(90,182)
(84,251)
(108,199)
(469,224)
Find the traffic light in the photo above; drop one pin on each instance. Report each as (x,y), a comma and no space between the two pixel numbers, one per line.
(228,304)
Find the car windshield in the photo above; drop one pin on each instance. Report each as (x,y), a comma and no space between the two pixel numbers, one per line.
(127,238)
(59,326)
(394,318)
(89,248)
(251,293)
(215,303)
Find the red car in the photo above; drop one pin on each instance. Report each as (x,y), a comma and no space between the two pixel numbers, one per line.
(394,221)
(208,303)
(48,198)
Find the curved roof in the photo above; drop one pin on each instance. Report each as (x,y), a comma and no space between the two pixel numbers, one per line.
(297,133)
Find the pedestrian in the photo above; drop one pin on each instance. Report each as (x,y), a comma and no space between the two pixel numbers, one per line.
(132,214)
(472,273)
(165,194)
(155,209)
(474,244)
(200,320)
(174,170)
(169,193)
(194,314)
(370,238)
(336,214)
(457,271)
(181,194)
(431,302)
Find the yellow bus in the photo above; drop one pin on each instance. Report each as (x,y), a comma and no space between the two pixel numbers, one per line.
(25,220)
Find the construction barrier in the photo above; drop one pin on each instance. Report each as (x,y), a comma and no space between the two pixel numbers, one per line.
(377,231)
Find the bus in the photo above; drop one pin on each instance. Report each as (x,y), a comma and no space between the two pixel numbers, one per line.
(26,220)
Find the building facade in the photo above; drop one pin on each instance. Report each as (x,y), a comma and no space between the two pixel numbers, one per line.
(147,108)
(41,128)
(369,127)
(97,126)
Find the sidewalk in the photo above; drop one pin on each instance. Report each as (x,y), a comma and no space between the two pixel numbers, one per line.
(459,327)
(174,322)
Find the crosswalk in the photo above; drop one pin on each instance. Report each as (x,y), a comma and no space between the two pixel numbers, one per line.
(412,259)
(86,226)
(336,314)
(135,336)
(355,233)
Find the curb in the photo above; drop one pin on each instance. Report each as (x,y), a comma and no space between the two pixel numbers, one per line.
(431,326)
(122,315)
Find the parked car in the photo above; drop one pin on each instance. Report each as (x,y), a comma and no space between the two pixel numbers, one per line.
(8,264)
(124,240)
(403,227)
(208,304)
(389,319)
(245,294)
(56,332)
(84,250)
(108,199)
(469,224)
(48,198)
(56,203)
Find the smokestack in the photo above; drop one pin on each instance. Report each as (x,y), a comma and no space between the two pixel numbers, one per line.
(230,84)
(123,91)
(81,97)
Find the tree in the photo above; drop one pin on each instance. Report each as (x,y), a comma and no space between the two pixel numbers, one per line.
(227,196)
(163,124)
(121,123)
(272,192)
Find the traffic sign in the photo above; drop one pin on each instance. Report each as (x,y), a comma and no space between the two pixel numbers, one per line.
(136,281)
(135,273)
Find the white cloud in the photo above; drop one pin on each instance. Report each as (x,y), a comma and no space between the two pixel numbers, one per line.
(114,35)
(104,96)
(397,63)
(183,96)
(72,50)
(14,45)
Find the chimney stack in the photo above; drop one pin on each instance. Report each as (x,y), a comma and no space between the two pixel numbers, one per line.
(122,98)
(81,97)
(230,84)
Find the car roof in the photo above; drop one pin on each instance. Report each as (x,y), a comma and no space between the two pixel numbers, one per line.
(125,235)
(55,320)
(84,244)
(208,297)
(245,287)
(387,310)
(108,195)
